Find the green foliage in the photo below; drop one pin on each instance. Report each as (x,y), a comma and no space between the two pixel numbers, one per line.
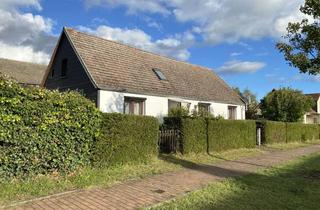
(302,46)
(298,132)
(251,101)
(44,131)
(178,112)
(194,135)
(286,105)
(126,138)
(273,132)
(231,134)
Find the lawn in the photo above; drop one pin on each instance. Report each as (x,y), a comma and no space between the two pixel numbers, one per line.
(295,185)
(90,177)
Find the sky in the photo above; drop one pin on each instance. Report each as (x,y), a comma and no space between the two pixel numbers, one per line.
(235,38)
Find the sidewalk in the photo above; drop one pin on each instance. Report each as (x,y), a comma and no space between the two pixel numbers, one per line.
(159,188)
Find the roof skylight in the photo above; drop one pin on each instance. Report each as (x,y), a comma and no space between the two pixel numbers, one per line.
(159,74)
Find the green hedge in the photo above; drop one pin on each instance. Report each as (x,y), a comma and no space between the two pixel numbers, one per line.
(298,132)
(205,134)
(126,138)
(43,131)
(194,135)
(273,132)
(231,134)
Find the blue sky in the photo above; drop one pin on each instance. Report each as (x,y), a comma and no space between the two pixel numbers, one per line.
(236,38)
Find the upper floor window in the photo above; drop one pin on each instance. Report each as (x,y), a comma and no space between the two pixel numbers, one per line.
(64,67)
(232,112)
(134,106)
(52,73)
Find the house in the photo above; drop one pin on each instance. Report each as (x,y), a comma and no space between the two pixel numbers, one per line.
(23,72)
(313,117)
(124,79)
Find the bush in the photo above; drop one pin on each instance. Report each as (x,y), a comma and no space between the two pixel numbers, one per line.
(43,131)
(126,138)
(231,134)
(273,132)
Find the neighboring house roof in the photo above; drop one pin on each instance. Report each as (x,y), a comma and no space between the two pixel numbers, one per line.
(23,72)
(315,96)
(117,67)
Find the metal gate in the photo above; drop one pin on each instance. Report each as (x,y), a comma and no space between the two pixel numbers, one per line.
(169,141)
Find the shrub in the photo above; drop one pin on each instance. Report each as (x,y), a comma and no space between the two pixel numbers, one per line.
(231,134)
(126,138)
(178,112)
(43,131)
(273,132)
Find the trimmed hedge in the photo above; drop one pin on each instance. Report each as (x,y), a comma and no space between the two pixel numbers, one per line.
(273,132)
(194,135)
(43,131)
(231,134)
(298,132)
(205,134)
(126,138)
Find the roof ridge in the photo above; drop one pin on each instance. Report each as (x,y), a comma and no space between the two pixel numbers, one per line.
(142,50)
(25,62)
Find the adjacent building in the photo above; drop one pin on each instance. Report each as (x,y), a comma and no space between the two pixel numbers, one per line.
(124,79)
(24,73)
(313,117)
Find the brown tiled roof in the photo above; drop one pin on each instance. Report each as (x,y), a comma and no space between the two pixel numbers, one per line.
(23,72)
(118,67)
(315,96)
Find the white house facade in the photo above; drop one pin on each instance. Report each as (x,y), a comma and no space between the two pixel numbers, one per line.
(123,79)
(313,116)
(157,106)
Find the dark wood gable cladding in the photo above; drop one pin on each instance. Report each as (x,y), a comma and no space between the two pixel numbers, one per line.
(67,73)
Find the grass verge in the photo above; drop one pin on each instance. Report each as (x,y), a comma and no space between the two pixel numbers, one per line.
(295,185)
(292,145)
(103,177)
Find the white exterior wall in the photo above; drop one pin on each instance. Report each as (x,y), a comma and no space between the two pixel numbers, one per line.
(156,106)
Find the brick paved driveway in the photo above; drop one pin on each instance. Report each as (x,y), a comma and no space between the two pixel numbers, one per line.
(159,188)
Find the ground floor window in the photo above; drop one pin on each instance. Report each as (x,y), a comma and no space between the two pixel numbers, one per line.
(134,106)
(173,104)
(232,112)
(204,107)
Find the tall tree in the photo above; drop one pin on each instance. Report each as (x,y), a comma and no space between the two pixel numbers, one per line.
(285,104)
(302,46)
(251,101)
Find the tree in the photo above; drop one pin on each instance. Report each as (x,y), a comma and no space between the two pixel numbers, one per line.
(251,102)
(302,49)
(285,104)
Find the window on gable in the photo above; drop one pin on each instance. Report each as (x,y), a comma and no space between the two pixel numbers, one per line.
(159,74)
(134,106)
(52,73)
(64,67)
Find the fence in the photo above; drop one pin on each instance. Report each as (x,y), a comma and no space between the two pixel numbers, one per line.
(169,141)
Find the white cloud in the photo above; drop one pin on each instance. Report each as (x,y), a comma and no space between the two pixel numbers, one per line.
(176,46)
(235,54)
(221,21)
(25,36)
(238,67)
(23,53)
(134,6)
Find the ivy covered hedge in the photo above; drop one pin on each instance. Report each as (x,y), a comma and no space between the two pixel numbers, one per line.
(43,131)
(231,134)
(126,138)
